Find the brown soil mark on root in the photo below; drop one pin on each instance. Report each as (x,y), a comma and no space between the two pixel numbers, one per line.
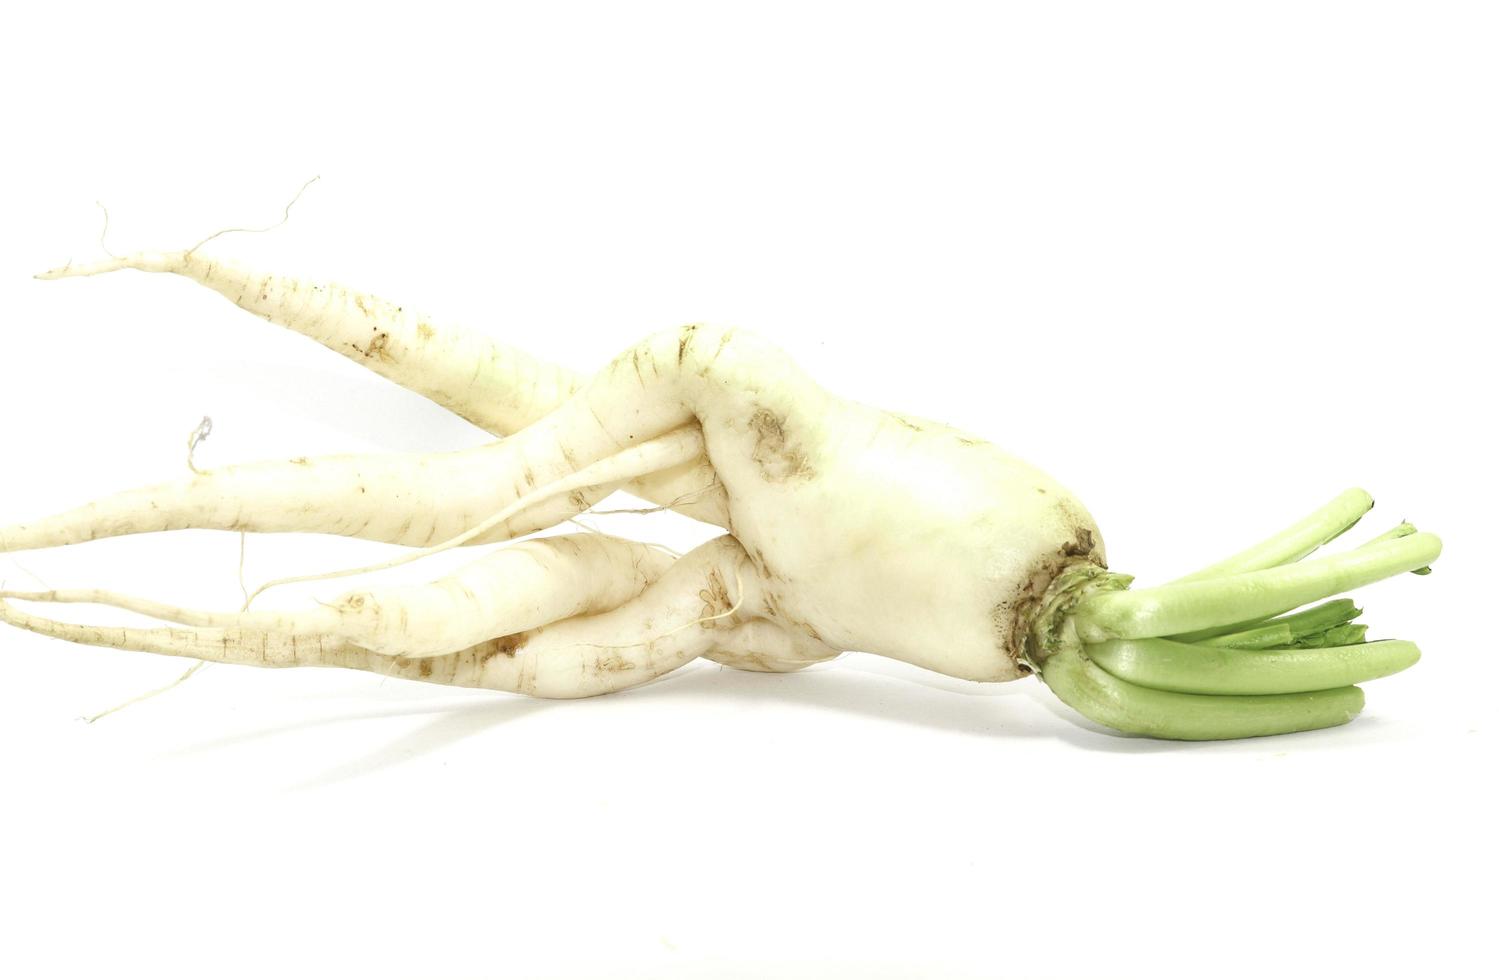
(1084,542)
(779,614)
(706,367)
(376,347)
(504,646)
(425,331)
(688,332)
(613,663)
(716,602)
(1081,546)
(1012,617)
(757,558)
(412,666)
(776,453)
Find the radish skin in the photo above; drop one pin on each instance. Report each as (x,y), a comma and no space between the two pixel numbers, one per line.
(508,591)
(408,499)
(413,499)
(580,656)
(495,386)
(850,528)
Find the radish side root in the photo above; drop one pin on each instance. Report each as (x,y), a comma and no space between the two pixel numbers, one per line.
(497,387)
(579,656)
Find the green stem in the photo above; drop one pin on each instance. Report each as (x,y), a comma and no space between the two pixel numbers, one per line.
(1164,714)
(1170,666)
(1263,637)
(1247,596)
(1319,619)
(1339,636)
(1402,530)
(1296,541)
(1399,531)
(1293,627)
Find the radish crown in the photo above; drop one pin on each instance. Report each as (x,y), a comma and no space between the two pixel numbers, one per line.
(1222,653)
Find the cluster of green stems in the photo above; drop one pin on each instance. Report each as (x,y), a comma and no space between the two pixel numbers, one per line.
(1229,651)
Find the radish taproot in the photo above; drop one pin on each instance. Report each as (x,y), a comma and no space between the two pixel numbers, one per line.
(849,528)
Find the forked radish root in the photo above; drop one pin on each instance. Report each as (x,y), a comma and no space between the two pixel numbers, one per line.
(849,528)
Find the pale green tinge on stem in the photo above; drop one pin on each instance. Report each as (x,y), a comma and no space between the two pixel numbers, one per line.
(1171,609)
(1399,531)
(1189,668)
(1296,541)
(1304,623)
(1138,710)
(1263,637)
(1310,627)
(1338,636)
(1222,654)
(1320,619)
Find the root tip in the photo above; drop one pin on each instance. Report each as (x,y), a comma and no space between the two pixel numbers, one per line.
(144,261)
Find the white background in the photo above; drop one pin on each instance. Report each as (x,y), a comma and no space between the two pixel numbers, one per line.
(1207,264)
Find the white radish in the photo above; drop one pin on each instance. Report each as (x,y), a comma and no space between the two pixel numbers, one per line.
(850,528)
